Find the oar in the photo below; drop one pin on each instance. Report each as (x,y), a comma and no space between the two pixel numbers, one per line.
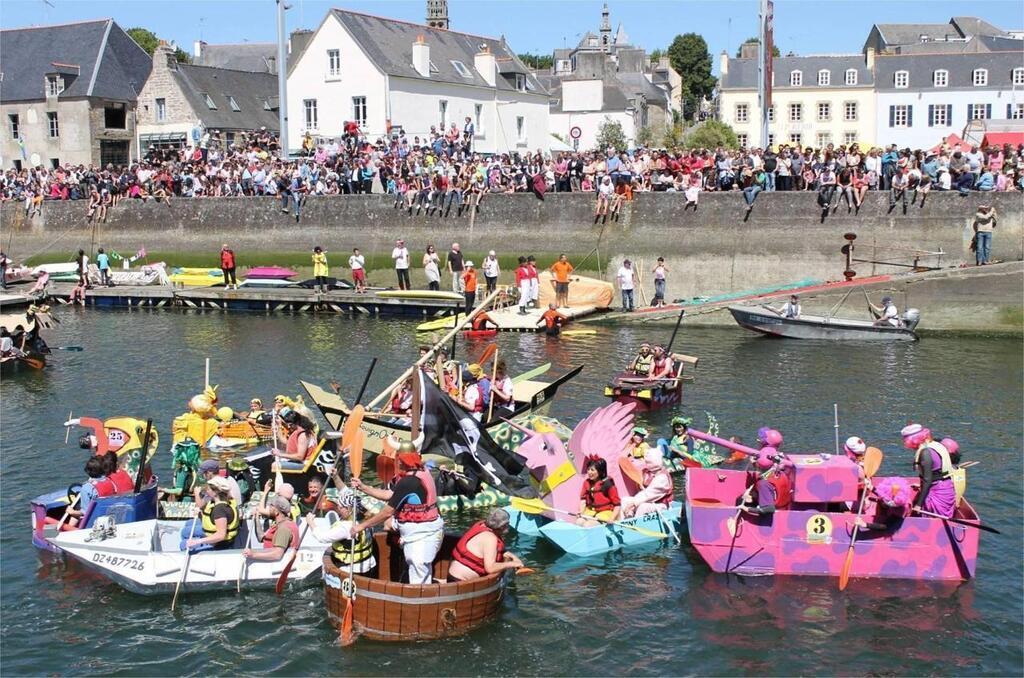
(184,571)
(245,561)
(66,348)
(872,460)
(958,521)
(530,374)
(488,353)
(67,512)
(67,429)
(536,506)
(355,460)
(679,320)
(494,376)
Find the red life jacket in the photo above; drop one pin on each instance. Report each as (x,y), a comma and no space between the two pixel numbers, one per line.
(420,513)
(598,495)
(783,490)
(470,559)
(105,487)
(122,481)
(268,537)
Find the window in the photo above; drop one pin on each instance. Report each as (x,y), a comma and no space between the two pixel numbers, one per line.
(851,76)
(823,139)
(742,113)
(795,138)
(771,113)
(521,129)
(209,101)
(359,110)
(979,111)
(52,125)
(939,115)
(824,78)
(940,78)
(478,112)
(796,78)
(333,63)
(115,116)
(310,113)
(1017,76)
(15,125)
(980,78)
(266,105)
(54,85)
(54,163)
(442,109)
(901,115)
(824,111)
(901,79)
(771,139)
(1015,111)
(232,103)
(849,138)
(850,111)
(741,139)
(461,69)
(520,82)
(796,112)
(161,110)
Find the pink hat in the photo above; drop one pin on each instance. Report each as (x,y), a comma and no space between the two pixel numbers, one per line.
(773,438)
(765,458)
(951,445)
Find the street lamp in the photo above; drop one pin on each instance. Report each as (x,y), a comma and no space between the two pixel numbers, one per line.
(282,79)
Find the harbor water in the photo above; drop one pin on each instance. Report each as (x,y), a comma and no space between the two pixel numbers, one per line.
(653,611)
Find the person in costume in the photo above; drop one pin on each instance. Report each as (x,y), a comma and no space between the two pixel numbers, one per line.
(282,534)
(184,470)
(411,508)
(682,446)
(664,366)
(599,498)
(481,549)
(643,363)
(772,489)
(359,556)
(934,467)
(656,493)
(769,437)
(637,446)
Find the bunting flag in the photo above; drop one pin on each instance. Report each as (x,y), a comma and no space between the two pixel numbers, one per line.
(450,431)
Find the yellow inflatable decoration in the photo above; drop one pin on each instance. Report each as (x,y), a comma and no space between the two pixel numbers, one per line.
(225,414)
(124,437)
(200,423)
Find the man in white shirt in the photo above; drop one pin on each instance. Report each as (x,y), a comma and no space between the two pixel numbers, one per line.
(491,271)
(888,314)
(791,309)
(626,277)
(401,257)
(357,262)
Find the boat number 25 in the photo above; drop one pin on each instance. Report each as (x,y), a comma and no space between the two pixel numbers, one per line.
(118,561)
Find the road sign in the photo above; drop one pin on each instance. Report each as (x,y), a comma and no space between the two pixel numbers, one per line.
(575,132)
(575,144)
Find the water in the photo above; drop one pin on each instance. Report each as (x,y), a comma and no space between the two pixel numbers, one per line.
(654,611)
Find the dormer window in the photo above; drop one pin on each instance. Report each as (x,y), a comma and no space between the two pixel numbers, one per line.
(209,101)
(232,103)
(54,85)
(461,69)
(940,78)
(980,78)
(1017,77)
(851,76)
(520,82)
(901,79)
(796,79)
(824,78)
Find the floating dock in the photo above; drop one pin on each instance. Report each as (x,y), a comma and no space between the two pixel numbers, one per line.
(255,299)
(10,301)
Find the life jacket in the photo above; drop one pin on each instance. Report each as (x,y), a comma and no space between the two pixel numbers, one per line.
(343,553)
(480,322)
(474,562)
(783,489)
(643,363)
(946,470)
(122,481)
(598,496)
(293,442)
(210,528)
(255,414)
(268,536)
(105,487)
(420,513)
(396,403)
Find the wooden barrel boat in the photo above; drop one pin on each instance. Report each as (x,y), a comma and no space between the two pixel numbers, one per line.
(385,609)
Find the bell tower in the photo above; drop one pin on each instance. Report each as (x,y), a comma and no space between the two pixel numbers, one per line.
(606,29)
(437,14)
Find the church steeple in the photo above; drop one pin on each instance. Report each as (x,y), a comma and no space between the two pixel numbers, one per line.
(606,29)
(437,14)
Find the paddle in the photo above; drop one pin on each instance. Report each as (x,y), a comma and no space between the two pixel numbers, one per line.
(488,353)
(355,459)
(630,470)
(66,348)
(574,333)
(245,561)
(278,478)
(67,429)
(494,376)
(679,321)
(350,438)
(530,374)
(872,460)
(536,506)
(958,521)
(184,571)
(142,457)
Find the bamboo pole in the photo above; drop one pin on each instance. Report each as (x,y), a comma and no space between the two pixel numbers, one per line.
(433,349)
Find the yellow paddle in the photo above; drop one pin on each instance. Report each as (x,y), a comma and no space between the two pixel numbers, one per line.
(872,461)
(536,506)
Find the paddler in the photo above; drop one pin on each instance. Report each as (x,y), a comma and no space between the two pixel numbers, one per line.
(637,446)
(552,321)
(344,554)
(682,446)
(255,409)
(220,517)
(117,475)
(285,490)
(934,467)
(503,390)
(656,493)
(282,534)
(400,402)
(643,363)
(91,489)
(772,490)
(481,549)
(599,498)
(301,440)
(308,503)
(482,321)
(477,391)
(412,508)
(664,367)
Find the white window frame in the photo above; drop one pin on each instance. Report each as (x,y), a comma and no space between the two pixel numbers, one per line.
(359,110)
(849,138)
(1017,112)
(824,111)
(741,139)
(14,125)
(901,79)
(939,118)
(160,109)
(461,69)
(796,112)
(54,85)
(209,101)
(52,125)
(980,77)
(310,115)
(978,108)
(824,77)
(232,104)
(940,78)
(851,76)
(521,130)
(796,78)
(1017,76)
(334,63)
(742,113)
(905,110)
(849,106)
(822,139)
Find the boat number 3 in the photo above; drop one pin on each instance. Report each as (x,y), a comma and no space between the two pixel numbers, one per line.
(118,561)
(819,529)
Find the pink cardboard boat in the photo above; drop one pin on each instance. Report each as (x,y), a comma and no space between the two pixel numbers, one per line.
(812,536)
(270,273)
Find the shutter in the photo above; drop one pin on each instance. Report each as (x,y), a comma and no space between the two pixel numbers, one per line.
(970,113)
(1009,111)
(910,116)
(988,111)
(949,115)
(931,115)
(892,116)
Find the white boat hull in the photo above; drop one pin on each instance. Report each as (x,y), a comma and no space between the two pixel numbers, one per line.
(816,327)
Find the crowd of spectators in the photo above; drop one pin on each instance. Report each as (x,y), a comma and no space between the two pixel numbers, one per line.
(441,172)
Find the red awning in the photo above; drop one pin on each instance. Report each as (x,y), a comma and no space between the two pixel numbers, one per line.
(1000,138)
(952,141)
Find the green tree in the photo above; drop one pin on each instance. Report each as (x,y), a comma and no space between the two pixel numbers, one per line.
(610,135)
(656,54)
(147,40)
(540,62)
(711,134)
(645,137)
(673,137)
(690,58)
(757,41)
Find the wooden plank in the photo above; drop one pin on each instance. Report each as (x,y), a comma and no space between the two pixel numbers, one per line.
(375,608)
(393,611)
(688,359)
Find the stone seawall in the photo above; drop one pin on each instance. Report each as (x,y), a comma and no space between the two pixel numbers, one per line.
(710,251)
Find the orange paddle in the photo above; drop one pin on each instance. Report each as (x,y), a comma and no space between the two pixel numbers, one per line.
(872,461)
(355,460)
(630,470)
(487,354)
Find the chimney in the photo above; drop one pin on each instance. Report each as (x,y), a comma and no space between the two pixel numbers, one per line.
(165,54)
(298,40)
(421,56)
(197,49)
(869,58)
(485,65)
(749,50)
(723,63)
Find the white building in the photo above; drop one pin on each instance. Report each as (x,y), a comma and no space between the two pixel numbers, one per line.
(386,73)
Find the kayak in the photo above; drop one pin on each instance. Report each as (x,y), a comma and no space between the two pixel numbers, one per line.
(445,323)
(270,273)
(480,334)
(197,277)
(421,294)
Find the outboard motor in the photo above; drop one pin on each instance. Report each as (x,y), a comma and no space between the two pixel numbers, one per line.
(911,317)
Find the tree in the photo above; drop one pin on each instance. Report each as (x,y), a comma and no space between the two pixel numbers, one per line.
(147,40)
(645,137)
(540,62)
(673,137)
(656,55)
(757,41)
(711,134)
(610,135)
(690,58)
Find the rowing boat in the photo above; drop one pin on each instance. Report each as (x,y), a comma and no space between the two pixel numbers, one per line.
(385,609)
(651,394)
(823,327)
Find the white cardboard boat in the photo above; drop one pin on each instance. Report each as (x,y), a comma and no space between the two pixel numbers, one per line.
(144,558)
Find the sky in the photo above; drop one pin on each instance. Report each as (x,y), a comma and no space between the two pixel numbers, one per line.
(537,26)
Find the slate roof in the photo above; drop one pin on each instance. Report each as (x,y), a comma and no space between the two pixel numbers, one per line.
(250,91)
(905,38)
(617,92)
(909,34)
(247,56)
(110,64)
(921,67)
(742,73)
(388,44)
